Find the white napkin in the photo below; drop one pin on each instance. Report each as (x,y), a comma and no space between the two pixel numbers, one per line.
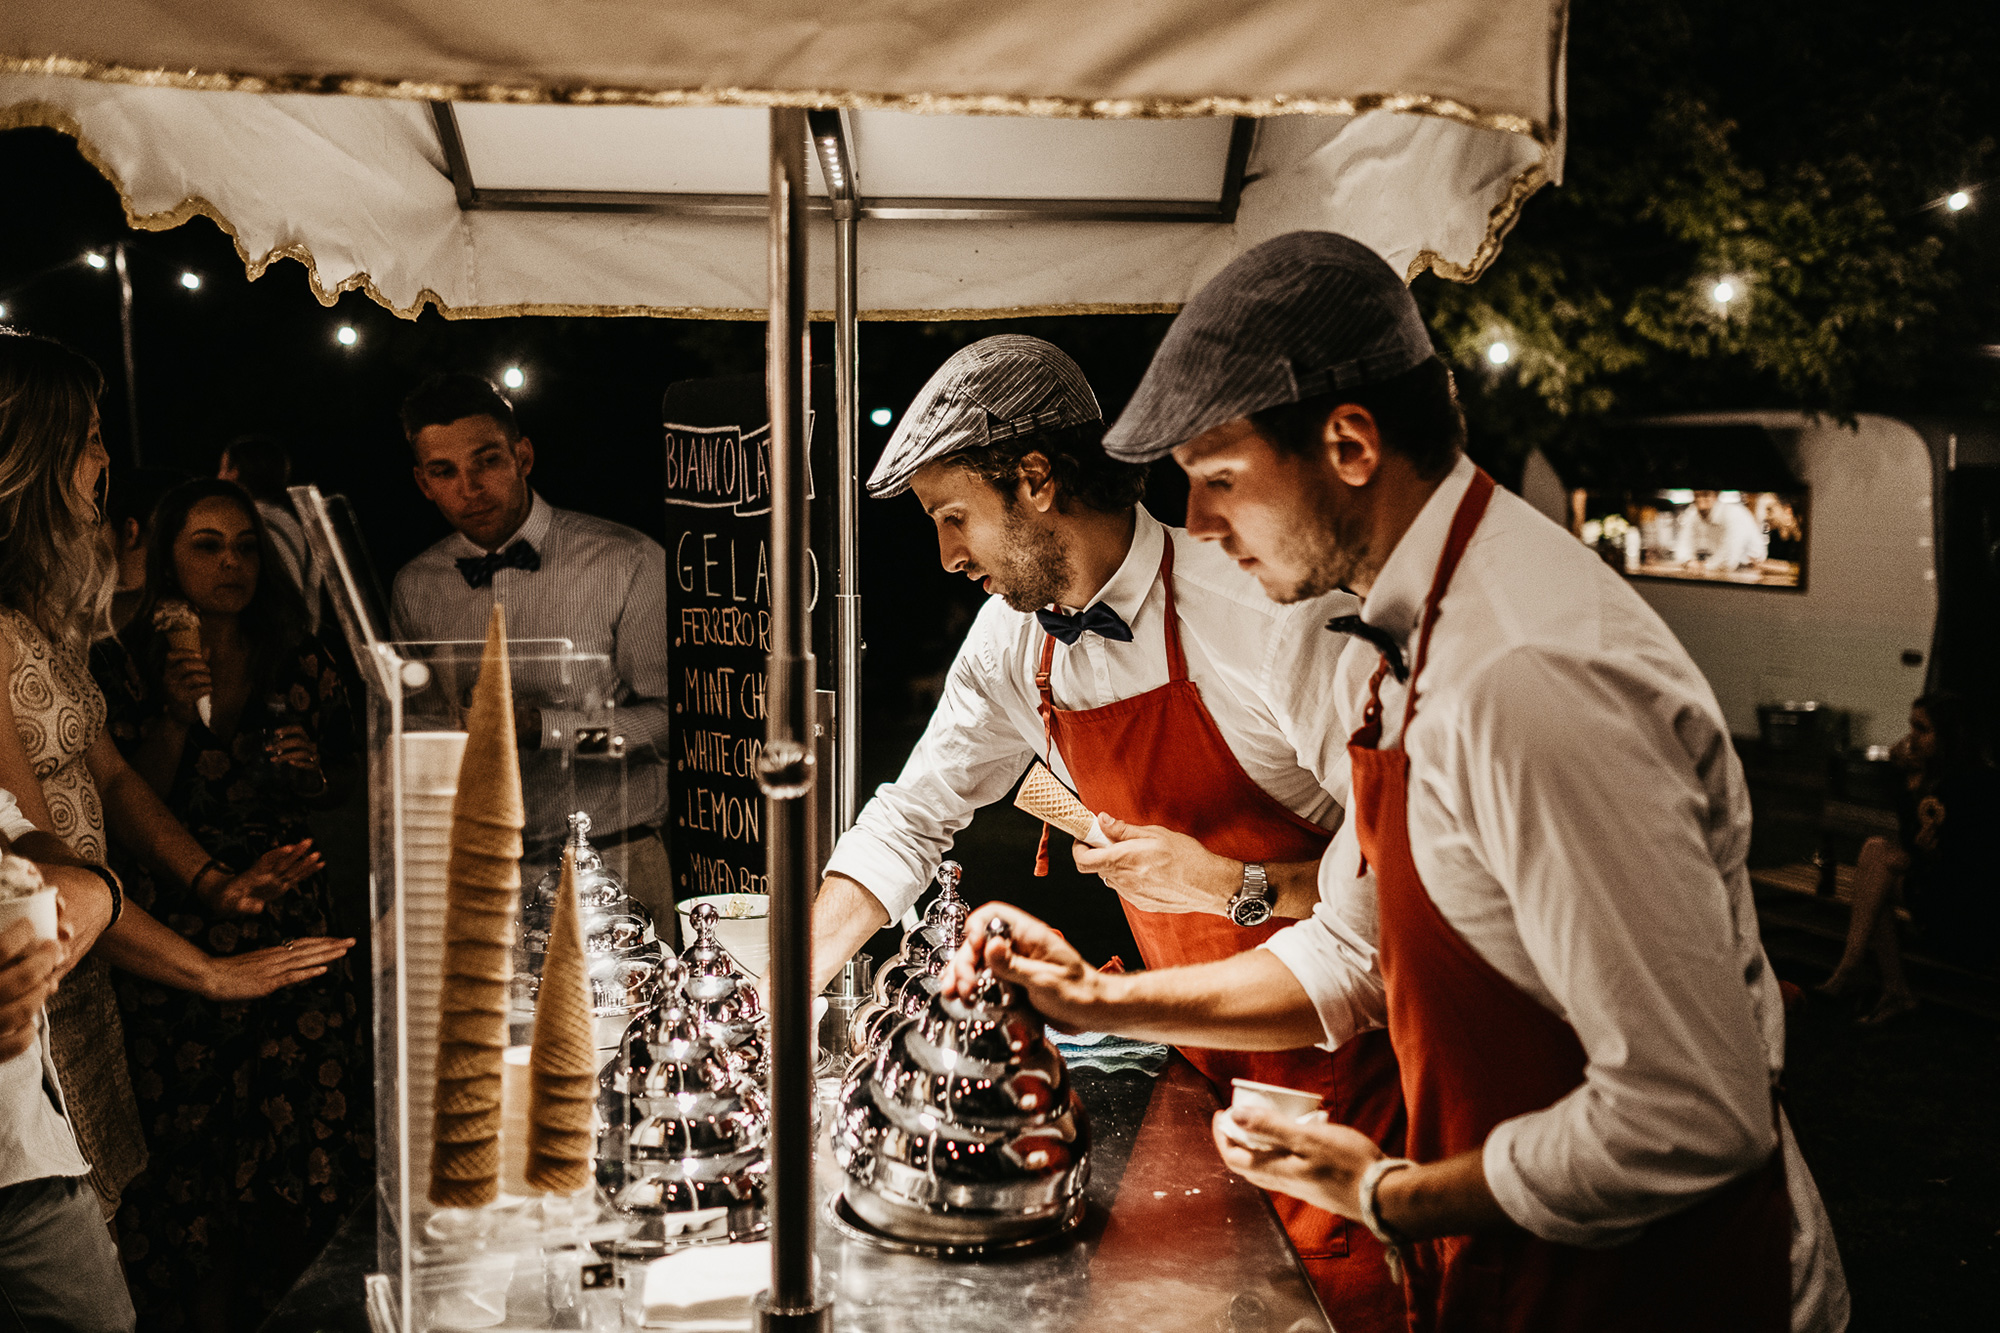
(708,1287)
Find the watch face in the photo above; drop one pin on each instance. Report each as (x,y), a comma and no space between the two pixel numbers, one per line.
(1250,911)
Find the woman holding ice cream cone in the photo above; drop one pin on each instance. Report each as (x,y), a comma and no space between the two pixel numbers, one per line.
(236,717)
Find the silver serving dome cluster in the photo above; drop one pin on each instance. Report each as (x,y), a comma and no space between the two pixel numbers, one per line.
(683,1104)
(959,1126)
(618,936)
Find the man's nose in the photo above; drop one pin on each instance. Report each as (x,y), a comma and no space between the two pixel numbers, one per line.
(952,554)
(1203,523)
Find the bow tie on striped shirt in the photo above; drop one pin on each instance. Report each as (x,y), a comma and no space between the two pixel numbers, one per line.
(1098,619)
(480,569)
(1385,642)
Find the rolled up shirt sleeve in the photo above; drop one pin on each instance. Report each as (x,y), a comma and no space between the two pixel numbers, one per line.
(1594,811)
(970,756)
(1332,953)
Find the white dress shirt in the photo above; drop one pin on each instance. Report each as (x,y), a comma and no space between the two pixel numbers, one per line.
(988,727)
(1730,535)
(603,587)
(1578,815)
(35,1135)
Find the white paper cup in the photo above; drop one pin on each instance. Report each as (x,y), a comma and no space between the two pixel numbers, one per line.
(748,938)
(40,908)
(430,762)
(1283,1102)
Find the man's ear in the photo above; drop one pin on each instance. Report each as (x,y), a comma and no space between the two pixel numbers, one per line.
(1037,481)
(524,454)
(1353,444)
(130,538)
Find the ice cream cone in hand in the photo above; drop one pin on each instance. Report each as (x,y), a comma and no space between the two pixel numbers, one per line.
(182,626)
(562,1074)
(483,875)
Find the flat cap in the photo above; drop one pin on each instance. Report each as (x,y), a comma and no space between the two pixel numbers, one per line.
(1303,314)
(997,389)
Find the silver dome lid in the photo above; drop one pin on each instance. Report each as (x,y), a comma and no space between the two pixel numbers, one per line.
(963,1127)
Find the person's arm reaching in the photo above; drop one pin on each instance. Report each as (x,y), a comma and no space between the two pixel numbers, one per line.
(1160,870)
(135,815)
(1250,1002)
(970,755)
(844,915)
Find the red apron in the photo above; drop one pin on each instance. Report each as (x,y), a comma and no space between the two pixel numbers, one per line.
(1158,758)
(1475,1050)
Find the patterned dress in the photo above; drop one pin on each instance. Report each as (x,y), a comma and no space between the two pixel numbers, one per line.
(260,1113)
(58,713)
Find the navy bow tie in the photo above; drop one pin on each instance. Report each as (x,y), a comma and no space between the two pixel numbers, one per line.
(1099,619)
(480,569)
(1385,642)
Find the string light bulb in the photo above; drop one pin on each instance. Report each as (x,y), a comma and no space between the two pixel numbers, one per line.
(1957,200)
(1723,292)
(191,281)
(346,336)
(1499,354)
(882,416)
(512,377)
(94,259)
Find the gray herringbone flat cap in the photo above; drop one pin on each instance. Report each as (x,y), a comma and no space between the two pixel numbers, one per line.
(996,389)
(1303,314)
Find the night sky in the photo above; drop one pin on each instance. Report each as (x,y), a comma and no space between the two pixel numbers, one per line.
(236,357)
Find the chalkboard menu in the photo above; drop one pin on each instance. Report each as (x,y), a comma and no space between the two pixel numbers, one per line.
(718,504)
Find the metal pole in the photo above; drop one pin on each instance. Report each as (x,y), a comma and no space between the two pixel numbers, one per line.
(835,144)
(785,771)
(125,324)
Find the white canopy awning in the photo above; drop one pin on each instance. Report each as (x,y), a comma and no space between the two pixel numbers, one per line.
(509,157)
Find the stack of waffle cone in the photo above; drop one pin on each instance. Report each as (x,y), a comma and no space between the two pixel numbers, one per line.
(484,871)
(562,1070)
(1044,796)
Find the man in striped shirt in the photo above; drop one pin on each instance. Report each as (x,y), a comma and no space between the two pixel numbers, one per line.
(561,575)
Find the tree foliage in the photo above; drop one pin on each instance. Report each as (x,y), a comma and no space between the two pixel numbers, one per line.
(1800,152)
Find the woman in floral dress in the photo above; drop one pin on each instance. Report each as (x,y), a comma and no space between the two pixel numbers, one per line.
(259,1115)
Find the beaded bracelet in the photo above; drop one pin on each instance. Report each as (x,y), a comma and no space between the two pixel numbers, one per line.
(1371,1213)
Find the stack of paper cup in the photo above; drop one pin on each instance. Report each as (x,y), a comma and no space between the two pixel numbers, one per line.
(514,1121)
(430,781)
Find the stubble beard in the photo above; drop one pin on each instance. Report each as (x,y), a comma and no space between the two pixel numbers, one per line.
(1037,566)
(1328,548)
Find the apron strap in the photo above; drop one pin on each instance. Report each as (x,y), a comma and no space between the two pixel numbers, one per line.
(1470,510)
(1176,655)
(1047,708)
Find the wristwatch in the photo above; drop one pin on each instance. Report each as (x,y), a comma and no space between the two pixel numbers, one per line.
(1252,904)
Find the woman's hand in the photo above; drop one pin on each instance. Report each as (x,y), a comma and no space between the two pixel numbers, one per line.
(252,976)
(187,679)
(27,979)
(1309,1159)
(276,872)
(291,745)
(1159,870)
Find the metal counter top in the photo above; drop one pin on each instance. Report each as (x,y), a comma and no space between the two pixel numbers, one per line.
(1172,1243)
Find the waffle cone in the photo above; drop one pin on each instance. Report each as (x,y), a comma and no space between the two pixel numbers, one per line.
(564,1057)
(462,1130)
(1044,796)
(483,877)
(464,1097)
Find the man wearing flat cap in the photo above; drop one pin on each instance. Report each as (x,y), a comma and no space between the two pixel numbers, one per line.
(1540,889)
(1132,659)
